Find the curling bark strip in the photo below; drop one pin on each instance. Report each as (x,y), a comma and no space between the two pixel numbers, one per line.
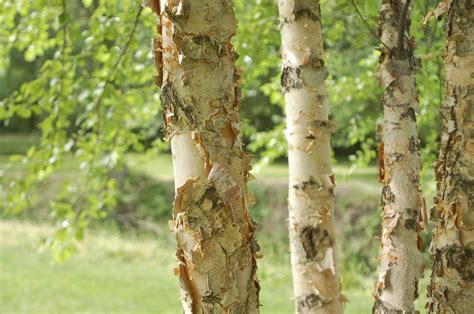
(311,183)
(402,201)
(452,249)
(214,232)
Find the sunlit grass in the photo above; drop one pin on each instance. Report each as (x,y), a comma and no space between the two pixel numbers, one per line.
(128,274)
(120,274)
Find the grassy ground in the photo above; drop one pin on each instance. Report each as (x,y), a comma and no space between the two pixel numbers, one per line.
(160,167)
(113,274)
(121,274)
(125,273)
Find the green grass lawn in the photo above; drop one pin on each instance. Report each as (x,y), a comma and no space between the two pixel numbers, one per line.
(122,274)
(161,167)
(118,274)
(17,143)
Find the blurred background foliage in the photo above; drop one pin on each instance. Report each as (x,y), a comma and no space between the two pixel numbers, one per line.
(80,118)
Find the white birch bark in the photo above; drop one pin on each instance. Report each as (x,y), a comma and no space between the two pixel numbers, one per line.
(311,183)
(402,201)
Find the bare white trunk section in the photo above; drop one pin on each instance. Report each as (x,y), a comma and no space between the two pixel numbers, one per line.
(311,183)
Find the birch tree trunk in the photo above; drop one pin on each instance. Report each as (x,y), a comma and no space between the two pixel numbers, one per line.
(214,232)
(311,183)
(402,202)
(452,249)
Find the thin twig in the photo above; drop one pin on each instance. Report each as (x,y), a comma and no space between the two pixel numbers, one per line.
(354,4)
(401,25)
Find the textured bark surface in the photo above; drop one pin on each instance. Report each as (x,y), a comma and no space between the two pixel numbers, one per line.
(402,202)
(215,235)
(311,183)
(452,249)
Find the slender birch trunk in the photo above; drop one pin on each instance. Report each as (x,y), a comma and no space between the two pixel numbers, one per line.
(402,201)
(214,232)
(452,248)
(311,183)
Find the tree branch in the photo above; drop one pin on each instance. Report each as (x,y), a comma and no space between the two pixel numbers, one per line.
(402,25)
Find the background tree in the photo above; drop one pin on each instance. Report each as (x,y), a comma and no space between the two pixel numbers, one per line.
(452,252)
(316,281)
(201,114)
(400,261)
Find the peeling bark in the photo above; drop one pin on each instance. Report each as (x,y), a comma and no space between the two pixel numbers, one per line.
(215,234)
(402,201)
(311,196)
(452,249)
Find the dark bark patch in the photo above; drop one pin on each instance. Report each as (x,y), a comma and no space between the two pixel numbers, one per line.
(396,157)
(211,194)
(410,224)
(326,126)
(387,196)
(413,145)
(241,309)
(456,257)
(411,218)
(380,308)
(254,246)
(309,302)
(381,161)
(410,113)
(201,47)
(461,259)
(291,79)
(315,242)
(416,295)
(309,9)
(399,66)
(437,263)
(306,186)
(211,298)
(193,222)
(158,58)
(174,104)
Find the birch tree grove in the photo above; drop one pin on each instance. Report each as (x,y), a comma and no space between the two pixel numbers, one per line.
(311,183)
(94,147)
(200,99)
(400,264)
(452,248)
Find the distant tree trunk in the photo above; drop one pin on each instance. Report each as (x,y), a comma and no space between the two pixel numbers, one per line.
(402,201)
(214,232)
(311,183)
(452,248)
